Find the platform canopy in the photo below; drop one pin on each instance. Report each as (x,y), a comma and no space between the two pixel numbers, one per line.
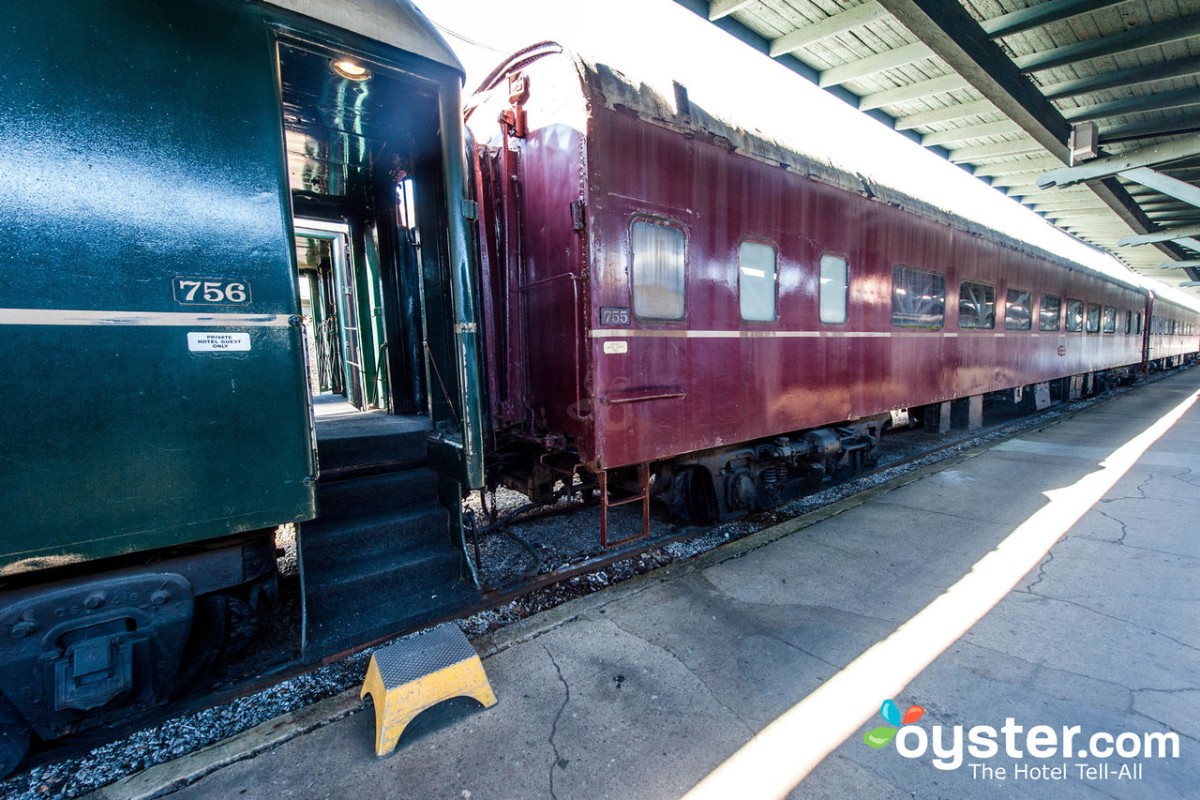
(1087,111)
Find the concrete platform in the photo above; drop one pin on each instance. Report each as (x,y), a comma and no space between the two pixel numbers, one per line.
(1044,581)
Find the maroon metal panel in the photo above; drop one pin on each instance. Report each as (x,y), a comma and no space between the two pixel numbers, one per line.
(551,291)
(1162,342)
(535,297)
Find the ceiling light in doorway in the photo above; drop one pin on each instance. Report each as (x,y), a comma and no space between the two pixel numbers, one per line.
(350,69)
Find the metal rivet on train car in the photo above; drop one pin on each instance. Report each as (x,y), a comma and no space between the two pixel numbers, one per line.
(23,628)
(159,597)
(95,601)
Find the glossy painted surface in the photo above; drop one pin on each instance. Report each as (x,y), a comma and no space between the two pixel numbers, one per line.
(141,142)
(659,388)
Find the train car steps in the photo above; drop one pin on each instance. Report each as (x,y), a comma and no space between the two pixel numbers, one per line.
(417,673)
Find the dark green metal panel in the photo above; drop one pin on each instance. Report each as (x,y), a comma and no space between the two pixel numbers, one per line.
(462,325)
(140,142)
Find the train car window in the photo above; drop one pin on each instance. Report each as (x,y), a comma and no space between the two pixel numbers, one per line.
(1074,315)
(835,287)
(918,298)
(1018,313)
(1093,318)
(1138,329)
(1050,313)
(658,257)
(976,305)
(756,281)
(1109,323)
(1128,322)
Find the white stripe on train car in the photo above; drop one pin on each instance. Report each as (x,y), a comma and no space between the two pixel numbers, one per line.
(102,318)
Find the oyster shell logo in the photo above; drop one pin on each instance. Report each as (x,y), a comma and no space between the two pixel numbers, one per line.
(880,737)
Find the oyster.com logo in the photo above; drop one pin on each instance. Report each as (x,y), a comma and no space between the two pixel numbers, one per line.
(1036,752)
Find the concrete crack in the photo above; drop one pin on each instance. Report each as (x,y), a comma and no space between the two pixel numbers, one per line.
(558,759)
(1140,489)
(1041,571)
(1166,725)
(800,649)
(1133,693)
(1171,553)
(749,730)
(1124,528)
(1180,690)
(1037,665)
(1185,476)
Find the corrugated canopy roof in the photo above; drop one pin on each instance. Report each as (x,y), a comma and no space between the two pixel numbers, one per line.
(997,87)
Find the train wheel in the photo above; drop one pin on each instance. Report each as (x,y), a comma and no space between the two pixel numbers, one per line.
(224,626)
(14,737)
(242,622)
(210,629)
(699,504)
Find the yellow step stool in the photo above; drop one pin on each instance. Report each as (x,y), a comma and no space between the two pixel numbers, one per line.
(417,673)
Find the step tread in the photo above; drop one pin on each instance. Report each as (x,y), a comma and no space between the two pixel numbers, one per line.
(320,531)
(349,616)
(368,495)
(409,566)
(352,451)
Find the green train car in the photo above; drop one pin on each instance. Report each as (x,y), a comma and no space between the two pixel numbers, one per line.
(235,293)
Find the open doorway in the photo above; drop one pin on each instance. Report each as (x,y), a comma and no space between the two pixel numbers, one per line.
(321,258)
(362,151)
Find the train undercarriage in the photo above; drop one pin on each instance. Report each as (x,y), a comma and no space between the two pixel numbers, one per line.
(729,482)
(725,483)
(84,651)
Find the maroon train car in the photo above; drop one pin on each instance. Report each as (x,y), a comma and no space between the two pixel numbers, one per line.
(1173,335)
(672,298)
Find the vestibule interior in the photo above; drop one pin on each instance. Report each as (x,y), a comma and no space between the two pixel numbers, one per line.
(363,160)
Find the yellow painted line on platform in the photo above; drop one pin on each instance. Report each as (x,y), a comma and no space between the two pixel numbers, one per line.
(776,759)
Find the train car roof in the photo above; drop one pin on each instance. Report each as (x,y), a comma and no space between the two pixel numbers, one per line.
(398,23)
(609,87)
